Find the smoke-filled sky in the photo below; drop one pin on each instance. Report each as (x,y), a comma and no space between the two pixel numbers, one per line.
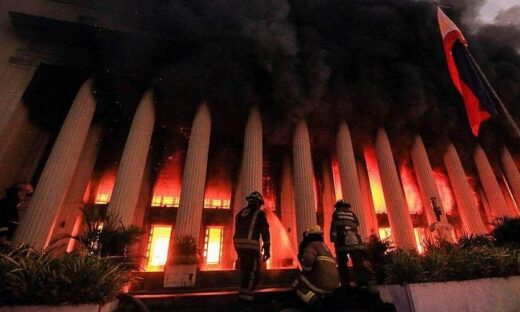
(491,8)
(373,62)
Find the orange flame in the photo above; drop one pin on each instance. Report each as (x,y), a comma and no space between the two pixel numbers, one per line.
(268,193)
(167,188)
(411,191)
(443,185)
(337,179)
(105,187)
(375,180)
(158,248)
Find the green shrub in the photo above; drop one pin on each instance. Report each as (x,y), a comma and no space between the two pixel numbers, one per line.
(507,232)
(472,258)
(185,250)
(105,235)
(469,241)
(32,277)
(376,250)
(404,266)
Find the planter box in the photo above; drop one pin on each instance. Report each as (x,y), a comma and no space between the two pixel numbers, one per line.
(180,275)
(108,307)
(481,295)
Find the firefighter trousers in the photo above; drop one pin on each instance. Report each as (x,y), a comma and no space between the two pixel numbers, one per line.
(249,263)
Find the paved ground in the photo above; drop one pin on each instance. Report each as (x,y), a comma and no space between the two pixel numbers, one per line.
(347,299)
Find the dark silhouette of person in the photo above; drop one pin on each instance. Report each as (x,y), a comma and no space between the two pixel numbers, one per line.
(318,277)
(347,242)
(251,225)
(9,218)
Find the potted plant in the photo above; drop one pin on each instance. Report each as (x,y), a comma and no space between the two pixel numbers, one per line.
(182,270)
(454,277)
(48,280)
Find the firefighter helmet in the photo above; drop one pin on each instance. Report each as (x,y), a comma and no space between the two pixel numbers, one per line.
(315,229)
(255,196)
(341,203)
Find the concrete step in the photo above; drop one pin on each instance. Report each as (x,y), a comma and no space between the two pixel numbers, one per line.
(152,282)
(266,299)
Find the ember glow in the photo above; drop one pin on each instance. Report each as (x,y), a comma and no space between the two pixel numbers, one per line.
(443,185)
(337,179)
(217,197)
(268,193)
(411,191)
(167,188)
(105,187)
(375,180)
(386,233)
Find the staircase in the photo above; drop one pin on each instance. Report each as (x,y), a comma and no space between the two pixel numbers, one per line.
(216,291)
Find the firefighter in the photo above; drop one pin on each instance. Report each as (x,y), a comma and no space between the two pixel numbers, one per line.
(9,210)
(318,277)
(251,225)
(348,243)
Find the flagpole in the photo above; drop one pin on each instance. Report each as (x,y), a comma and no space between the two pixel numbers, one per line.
(510,121)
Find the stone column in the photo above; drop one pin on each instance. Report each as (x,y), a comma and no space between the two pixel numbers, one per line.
(512,174)
(55,180)
(469,213)
(489,182)
(288,209)
(252,159)
(328,199)
(239,200)
(303,179)
(508,196)
(425,179)
(349,177)
(71,209)
(489,214)
(366,199)
(397,208)
(133,162)
(189,215)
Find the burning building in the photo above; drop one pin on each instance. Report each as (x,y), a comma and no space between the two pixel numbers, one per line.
(168,114)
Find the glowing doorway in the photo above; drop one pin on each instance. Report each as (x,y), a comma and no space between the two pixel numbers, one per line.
(213,247)
(157,251)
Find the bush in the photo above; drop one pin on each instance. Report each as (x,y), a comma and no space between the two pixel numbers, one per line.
(33,277)
(507,232)
(376,251)
(104,235)
(445,261)
(185,251)
(404,266)
(470,241)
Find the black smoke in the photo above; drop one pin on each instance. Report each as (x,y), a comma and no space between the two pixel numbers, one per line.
(374,63)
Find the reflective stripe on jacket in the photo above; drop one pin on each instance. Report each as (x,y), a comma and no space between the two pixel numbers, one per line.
(250,225)
(344,230)
(319,275)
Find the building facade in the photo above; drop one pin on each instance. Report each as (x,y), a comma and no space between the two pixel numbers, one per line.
(190,181)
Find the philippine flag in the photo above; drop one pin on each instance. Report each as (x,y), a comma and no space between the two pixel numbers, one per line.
(465,75)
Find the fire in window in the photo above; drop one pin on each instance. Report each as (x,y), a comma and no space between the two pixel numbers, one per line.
(102,199)
(165,201)
(211,203)
(386,233)
(157,251)
(213,246)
